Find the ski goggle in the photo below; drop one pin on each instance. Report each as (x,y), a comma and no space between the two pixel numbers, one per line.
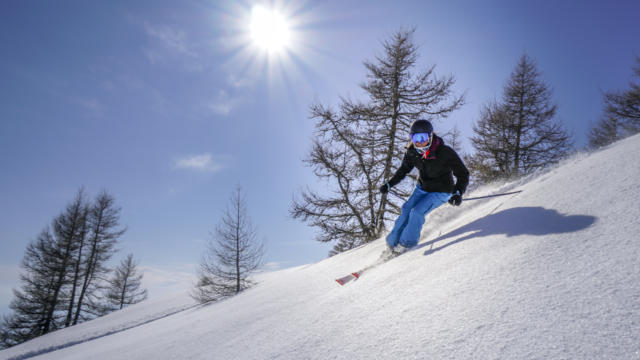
(419,138)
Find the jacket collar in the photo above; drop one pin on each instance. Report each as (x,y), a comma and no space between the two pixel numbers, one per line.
(430,153)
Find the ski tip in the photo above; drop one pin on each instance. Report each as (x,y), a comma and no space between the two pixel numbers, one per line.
(340,281)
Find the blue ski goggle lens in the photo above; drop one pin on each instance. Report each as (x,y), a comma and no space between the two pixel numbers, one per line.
(419,138)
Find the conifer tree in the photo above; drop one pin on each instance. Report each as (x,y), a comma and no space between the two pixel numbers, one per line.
(125,286)
(232,254)
(69,229)
(103,221)
(30,305)
(621,116)
(44,302)
(62,269)
(453,138)
(520,133)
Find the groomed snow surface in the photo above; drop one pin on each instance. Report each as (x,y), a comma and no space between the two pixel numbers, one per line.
(551,272)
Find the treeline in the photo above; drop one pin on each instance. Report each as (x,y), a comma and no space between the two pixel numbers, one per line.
(65,278)
(358,146)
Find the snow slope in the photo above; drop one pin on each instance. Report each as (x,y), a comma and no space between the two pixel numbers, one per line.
(551,272)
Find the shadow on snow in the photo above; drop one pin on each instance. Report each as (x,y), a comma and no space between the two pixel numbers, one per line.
(536,221)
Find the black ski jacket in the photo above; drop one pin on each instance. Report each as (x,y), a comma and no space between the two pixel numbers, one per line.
(435,169)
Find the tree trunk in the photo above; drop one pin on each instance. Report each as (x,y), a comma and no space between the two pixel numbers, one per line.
(76,277)
(238,249)
(124,290)
(88,274)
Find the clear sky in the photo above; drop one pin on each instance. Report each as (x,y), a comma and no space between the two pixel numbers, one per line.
(170,105)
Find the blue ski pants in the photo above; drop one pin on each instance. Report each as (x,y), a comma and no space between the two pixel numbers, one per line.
(406,230)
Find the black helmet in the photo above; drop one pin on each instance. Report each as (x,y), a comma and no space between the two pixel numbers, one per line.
(421,126)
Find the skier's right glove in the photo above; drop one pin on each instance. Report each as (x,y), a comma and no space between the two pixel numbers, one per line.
(456,199)
(385,188)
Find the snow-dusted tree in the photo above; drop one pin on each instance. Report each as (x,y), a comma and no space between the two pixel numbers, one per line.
(125,286)
(356,148)
(233,254)
(621,116)
(519,134)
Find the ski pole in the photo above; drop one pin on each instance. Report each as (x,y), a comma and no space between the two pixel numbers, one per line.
(494,195)
(467,199)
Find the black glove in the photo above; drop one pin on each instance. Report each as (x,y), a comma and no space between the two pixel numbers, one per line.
(456,199)
(385,188)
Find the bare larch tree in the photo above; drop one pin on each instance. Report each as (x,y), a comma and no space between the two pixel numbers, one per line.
(62,268)
(233,254)
(103,222)
(621,116)
(125,286)
(30,304)
(519,134)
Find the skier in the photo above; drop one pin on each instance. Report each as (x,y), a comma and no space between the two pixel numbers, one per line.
(435,162)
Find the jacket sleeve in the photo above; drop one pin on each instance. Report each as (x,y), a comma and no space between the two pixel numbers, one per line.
(460,172)
(402,171)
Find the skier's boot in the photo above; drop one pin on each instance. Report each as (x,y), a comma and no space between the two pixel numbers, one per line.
(387,254)
(391,252)
(399,250)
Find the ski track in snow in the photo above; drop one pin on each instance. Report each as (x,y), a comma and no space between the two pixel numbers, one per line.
(94,337)
(552,272)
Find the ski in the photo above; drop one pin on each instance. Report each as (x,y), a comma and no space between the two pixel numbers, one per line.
(356,274)
(353,276)
(345,279)
(383,259)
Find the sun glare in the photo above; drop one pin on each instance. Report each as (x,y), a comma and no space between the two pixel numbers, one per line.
(269,29)
(268,40)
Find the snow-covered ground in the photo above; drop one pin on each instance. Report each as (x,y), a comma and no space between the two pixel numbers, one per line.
(551,272)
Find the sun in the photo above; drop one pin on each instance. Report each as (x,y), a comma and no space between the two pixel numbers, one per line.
(269,29)
(269,40)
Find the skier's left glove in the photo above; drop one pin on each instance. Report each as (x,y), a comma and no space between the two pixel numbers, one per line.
(456,199)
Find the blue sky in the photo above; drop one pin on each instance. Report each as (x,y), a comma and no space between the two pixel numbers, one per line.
(168,106)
